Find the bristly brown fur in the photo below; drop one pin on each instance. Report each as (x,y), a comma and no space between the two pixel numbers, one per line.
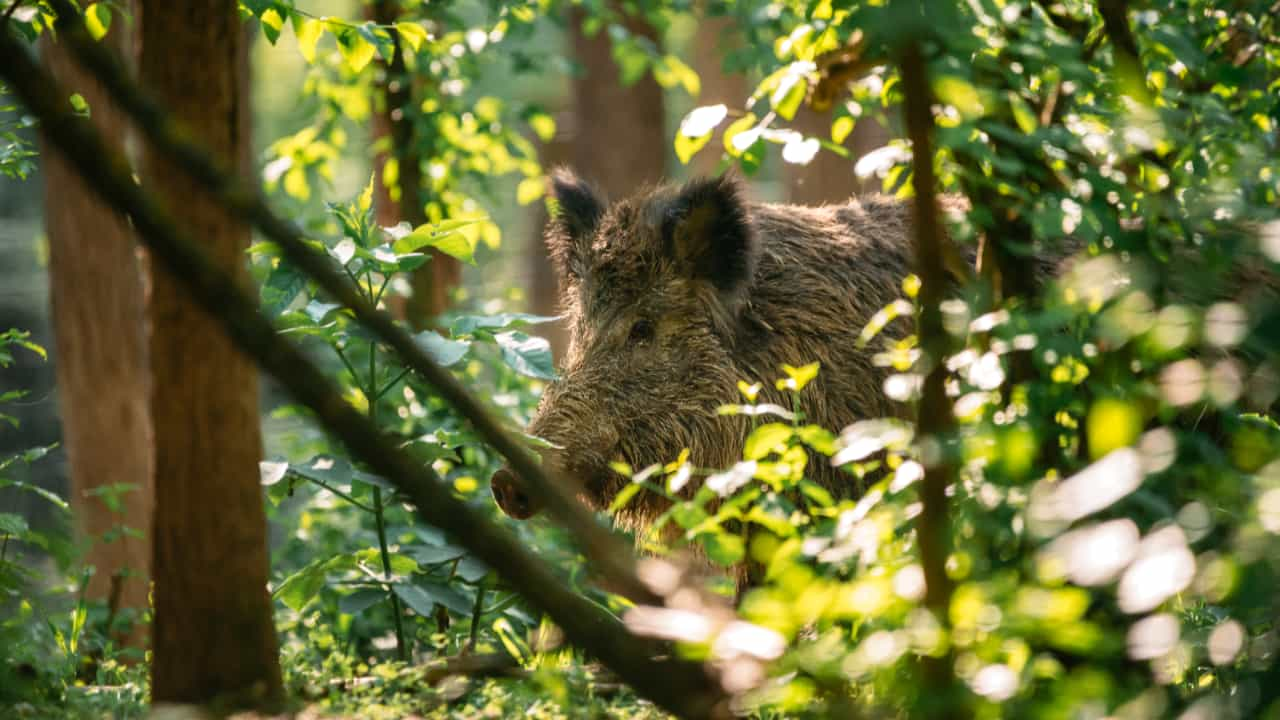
(675,294)
(734,292)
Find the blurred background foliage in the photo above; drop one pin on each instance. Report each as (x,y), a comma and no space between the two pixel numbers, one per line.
(1116,499)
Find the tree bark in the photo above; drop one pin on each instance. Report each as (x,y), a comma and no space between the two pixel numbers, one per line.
(96,294)
(434,282)
(213,634)
(614,136)
(829,178)
(716,36)
(619,139)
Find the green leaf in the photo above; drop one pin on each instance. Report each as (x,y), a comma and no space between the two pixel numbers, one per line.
(360,600)
(427,449)
(412,34)
(79,104)
(97,18)
(445,595)
(1023,115)
(792,87)
(300,588)
(472,569)
(356,50)
(798,377)
(544,126)
(469,324)
(765,439)
(443,236)
(841,128)
(444,351)
(308,34)
(735,145)
(671,71)
(527,355)
(271,24)
(624,496)
(365,201)
(11,524)
(371,560)
(686,147)
(435,554)
(379,38)
(818,438)
(530,189)
(724,549)
(416,598)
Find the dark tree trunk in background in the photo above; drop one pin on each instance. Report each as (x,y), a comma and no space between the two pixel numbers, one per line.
(543,285)
(829,178)
(715,37)
(433,283)
(213,637)
(614,136)
(619,139)
(95,285)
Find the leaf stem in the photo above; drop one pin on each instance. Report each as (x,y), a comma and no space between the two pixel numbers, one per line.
(378,512)
(476,611)
(335,491)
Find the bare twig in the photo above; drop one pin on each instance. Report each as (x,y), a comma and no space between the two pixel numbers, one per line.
(681,687)
(611,556)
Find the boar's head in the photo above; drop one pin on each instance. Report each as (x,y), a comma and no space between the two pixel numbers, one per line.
(652,289)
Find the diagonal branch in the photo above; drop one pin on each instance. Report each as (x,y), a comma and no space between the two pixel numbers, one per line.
(681,687)
(611,556)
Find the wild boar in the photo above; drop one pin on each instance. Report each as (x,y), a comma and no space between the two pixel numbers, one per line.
(674,295)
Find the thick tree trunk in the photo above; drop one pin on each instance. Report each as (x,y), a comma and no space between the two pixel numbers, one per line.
(619,139)
(213,637)
(96,293)
(614,136)
(715,37)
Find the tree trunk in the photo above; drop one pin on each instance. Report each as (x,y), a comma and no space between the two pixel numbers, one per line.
(96,293)
(618,139)
(434,282)
(213,637)
(614,136)
(715,37)
(829,178)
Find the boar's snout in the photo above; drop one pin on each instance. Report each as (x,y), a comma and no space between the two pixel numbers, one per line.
(510,495)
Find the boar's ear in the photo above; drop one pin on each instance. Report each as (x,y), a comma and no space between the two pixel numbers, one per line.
(574,218)
(707,233)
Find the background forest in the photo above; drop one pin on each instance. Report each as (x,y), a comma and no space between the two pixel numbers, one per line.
(344,315)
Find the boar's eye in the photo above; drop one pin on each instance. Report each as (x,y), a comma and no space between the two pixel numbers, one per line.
(641,332)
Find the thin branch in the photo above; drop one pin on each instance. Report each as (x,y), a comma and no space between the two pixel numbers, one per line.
(935,421)
(681,687)
(9,11)
(388,386)
(611,556)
